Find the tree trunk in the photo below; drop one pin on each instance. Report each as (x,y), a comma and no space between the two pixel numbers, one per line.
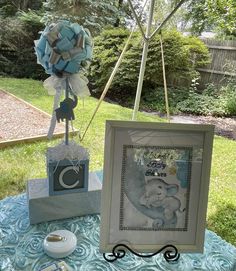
(24,5)
(120,4)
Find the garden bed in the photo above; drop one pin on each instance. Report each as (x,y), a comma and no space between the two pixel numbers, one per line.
(225,127)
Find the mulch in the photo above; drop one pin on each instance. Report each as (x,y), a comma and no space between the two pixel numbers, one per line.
(225,127)
(20,120)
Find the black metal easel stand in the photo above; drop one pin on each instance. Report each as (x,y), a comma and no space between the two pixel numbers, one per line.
(170,253)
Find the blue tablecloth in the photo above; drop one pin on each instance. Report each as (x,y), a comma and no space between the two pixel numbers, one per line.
(21,246)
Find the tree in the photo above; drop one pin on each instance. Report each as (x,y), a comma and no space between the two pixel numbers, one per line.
(120,5)
(163,8)
(11,7)
(20,24)
(218,15)
(138,7)
(92,14)
(17,57)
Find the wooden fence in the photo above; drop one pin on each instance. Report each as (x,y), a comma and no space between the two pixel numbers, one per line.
(223,65)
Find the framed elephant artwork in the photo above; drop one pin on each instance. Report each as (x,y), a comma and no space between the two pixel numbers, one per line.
(155,185)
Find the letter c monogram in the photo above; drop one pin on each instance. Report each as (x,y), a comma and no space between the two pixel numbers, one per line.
(66,186)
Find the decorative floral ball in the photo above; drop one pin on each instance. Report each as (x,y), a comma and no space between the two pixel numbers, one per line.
(64,48)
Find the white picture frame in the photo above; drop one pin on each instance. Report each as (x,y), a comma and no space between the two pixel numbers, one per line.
(155,185)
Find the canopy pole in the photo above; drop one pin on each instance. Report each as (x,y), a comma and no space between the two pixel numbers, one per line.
(164,80)
(111,77)
(167,18)
(144,60)
(108,84)
(137,18)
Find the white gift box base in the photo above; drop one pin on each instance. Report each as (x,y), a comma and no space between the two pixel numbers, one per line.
(43,207)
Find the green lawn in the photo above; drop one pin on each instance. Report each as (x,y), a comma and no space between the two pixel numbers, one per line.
(25,161)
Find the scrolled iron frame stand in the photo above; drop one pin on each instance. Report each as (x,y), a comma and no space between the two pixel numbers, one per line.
(170,254)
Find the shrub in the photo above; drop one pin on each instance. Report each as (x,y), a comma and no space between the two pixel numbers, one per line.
(107,48)
(154,99)
(211,101)
(182,56)
(17,37)
(228,95)
(199,104)
(32,22)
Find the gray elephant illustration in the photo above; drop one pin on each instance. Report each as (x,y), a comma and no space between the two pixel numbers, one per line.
(159,194)
(65,111)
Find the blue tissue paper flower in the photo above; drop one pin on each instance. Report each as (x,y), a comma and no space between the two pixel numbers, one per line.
(64,48)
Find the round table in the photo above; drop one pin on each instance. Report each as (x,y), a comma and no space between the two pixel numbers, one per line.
(21,246)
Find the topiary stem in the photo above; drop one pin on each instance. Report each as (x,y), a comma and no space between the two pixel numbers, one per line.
(67,121)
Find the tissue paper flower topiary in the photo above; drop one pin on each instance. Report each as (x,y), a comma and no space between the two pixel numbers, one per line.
(64,48)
